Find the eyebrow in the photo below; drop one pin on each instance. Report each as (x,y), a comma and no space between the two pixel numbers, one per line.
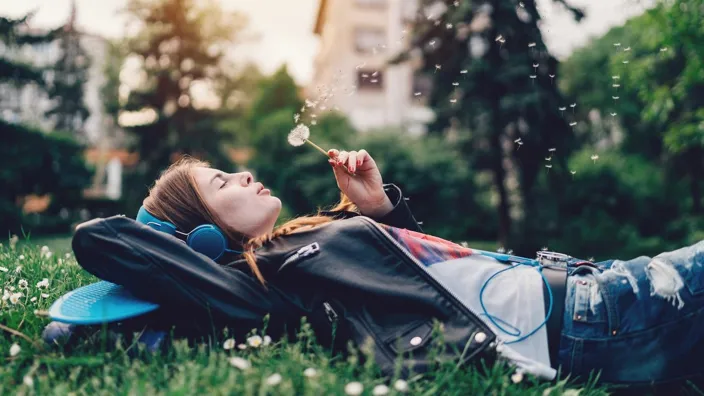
(214,177)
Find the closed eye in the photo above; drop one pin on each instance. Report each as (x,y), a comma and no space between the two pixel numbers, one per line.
(223,184)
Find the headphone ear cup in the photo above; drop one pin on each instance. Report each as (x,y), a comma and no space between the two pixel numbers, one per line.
(208,240)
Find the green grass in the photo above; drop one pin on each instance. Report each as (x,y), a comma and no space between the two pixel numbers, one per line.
(96,366)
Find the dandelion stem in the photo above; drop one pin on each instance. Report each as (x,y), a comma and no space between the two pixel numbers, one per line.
(15,332)
(317,147)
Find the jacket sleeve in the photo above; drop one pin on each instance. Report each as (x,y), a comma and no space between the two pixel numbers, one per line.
(160,268)
(400,216)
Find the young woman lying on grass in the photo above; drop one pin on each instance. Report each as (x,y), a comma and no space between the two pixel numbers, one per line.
(367,270)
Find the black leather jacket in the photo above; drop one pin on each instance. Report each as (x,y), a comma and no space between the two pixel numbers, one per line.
(348,275)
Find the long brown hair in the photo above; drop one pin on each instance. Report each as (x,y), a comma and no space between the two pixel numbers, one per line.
(175,197)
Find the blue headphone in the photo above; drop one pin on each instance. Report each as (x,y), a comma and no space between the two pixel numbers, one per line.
(206,238)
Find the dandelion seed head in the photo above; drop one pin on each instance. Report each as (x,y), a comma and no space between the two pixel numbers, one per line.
(298,135)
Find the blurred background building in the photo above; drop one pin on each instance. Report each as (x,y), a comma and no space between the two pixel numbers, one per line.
(357,38)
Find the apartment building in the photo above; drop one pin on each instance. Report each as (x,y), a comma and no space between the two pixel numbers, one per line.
(357,38)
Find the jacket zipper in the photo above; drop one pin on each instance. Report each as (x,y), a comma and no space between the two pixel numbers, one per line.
(305,251)
(419,264)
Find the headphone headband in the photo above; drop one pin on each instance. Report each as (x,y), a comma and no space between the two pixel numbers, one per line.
(207,239)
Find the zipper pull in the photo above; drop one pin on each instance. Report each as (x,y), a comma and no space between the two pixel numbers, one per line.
(308,250)
(332,315)
(305,251)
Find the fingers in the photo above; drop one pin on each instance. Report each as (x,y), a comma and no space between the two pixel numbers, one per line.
(349,159)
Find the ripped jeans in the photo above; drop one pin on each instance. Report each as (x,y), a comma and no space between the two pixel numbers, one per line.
(638,321)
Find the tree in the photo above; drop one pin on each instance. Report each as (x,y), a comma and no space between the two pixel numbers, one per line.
(653,86)
(493,84)
(180,46)
(13,33)
(65,87)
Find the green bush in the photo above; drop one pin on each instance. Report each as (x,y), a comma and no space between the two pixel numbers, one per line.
(619,206)
(32,162)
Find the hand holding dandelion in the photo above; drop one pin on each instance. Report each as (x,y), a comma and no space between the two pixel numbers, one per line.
(366,188)
(300,134)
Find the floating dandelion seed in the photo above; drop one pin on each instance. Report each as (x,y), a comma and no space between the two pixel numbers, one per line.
(453,100)
(595,157)
(373,81)
(663,49)
(535,65)
(551,77)
(314,122)
(617,44)
(417,94)
(432,43)
(519,142)
(456,3)
(463,71)
(296,117)
(573,172)
(499,38)
(531,45)
(552,150)
(626,49)
(548,158)
(573,123)
(375,73)
(548,166)
(562,108)
(615,77)
(520,3)
(616,85)
(448,26)
(309,103)
(438,67)
(615,97)
(533,77)
(361,65)
(625,62)
(455,84)
(613,114)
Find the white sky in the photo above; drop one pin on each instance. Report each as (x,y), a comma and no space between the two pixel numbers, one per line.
(286,26)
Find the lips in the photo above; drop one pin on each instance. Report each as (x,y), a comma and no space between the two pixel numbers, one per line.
(261,189)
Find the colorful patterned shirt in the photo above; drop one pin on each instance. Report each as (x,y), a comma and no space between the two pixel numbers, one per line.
(428,249)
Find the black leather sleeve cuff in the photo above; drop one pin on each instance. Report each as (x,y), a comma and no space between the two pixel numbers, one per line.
(400,215)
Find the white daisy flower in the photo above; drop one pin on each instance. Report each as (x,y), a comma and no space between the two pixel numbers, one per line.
(44,283)
(254,341)
(28,380)
(18,269)
(274,379)
(267,340)
(33,299)
(5,295)
(22,283)
(242,346)
(44,295)
(15,349)
(380,390)
(21,257)
(401,385)
(15,297)
(68,255)
(354,388)
(310,372)
(517,377)
(48,255)
(45,249)
(229,343)
(240,363)
(3,269)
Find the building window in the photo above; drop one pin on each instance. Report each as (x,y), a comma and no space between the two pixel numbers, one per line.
(371,3)
(369,40)
(370,79)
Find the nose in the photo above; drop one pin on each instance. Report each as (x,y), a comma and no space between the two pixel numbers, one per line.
(246,178)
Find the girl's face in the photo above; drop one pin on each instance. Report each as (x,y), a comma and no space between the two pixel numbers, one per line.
(237,201)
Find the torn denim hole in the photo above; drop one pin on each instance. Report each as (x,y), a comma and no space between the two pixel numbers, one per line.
(665,281)
(619,268)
